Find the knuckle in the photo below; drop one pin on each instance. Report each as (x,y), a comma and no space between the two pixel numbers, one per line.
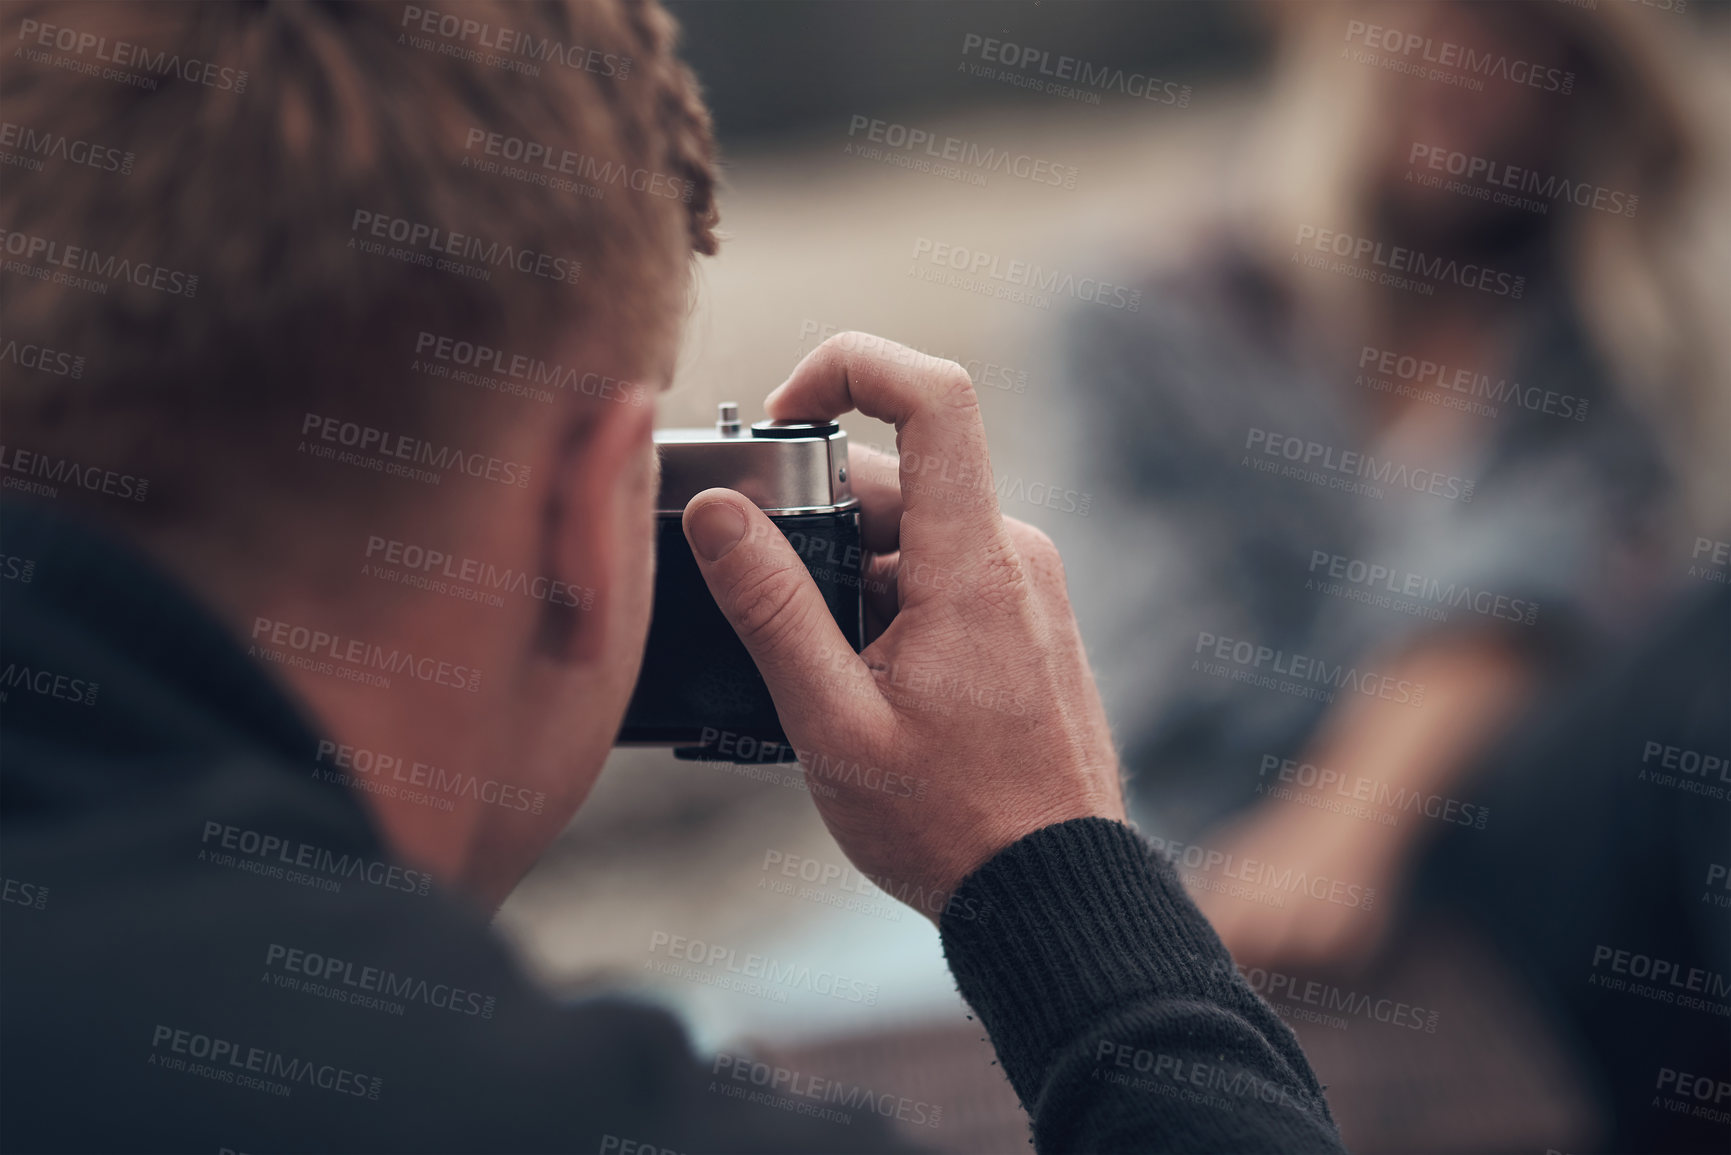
(1033,541)
(842,342)
(953,386)
(850,345)
(1040,553)
(1002,581)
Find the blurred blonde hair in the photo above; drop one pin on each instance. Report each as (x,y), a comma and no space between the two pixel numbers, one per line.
(1652,288)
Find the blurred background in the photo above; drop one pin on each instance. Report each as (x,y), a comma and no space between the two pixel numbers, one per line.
(1487,247)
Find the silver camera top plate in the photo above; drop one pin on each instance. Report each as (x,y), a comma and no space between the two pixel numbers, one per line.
(784,467)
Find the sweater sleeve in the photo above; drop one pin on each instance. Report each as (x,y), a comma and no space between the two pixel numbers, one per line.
(1115,1009)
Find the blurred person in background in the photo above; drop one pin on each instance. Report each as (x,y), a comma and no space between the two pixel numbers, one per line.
(1525,649)
(1558,407)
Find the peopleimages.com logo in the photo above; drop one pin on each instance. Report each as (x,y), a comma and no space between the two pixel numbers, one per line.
(225,1061)
(1392,587)
(439,570)
(1263,881)
(354,980)
(516,372)
(48,684)
(276,856)
(1410,376)
(371,769)
(44,475)
(317,643)
(1220,1085)
(1350,470)
(902,138)
(1396,266)
(1299,674)
(36,145)
(1506,184)
(508,49)
(566,171)
(399,454)
(424,242)
(795,1091)
(1014,279)
(1357,796)
(764,971)
(122,54)
(1326,1004)
(105,269)
(42,359)
(27,894)
(1025,66)
(1460,65)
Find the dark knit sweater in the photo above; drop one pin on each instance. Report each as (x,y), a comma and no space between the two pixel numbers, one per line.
(149,1000)
(1116,1011)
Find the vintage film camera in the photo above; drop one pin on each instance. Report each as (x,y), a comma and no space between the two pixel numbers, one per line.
(699,690)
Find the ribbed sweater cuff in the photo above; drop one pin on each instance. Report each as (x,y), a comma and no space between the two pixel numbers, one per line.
(1065,926)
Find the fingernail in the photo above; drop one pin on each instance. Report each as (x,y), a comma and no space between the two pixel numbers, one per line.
(715,529)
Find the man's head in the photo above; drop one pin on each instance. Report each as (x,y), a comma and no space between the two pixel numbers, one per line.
(368,305)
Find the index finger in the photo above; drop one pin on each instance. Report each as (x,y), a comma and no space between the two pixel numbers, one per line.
(949,507)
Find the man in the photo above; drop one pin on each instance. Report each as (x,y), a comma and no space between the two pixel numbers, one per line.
(403,275)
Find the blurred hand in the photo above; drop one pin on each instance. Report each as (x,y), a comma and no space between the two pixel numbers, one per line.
(1474,684)
(977,689)
(1309,932)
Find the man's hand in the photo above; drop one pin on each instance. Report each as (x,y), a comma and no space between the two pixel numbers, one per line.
(972,720)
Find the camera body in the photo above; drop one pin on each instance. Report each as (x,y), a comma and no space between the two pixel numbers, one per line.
(699,690)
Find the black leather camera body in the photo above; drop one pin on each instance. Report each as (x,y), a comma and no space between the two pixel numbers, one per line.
(699,690)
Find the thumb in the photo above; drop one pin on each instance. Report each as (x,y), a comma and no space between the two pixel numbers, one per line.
(766,593)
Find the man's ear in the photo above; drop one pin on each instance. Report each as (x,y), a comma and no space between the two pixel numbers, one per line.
(594,521)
